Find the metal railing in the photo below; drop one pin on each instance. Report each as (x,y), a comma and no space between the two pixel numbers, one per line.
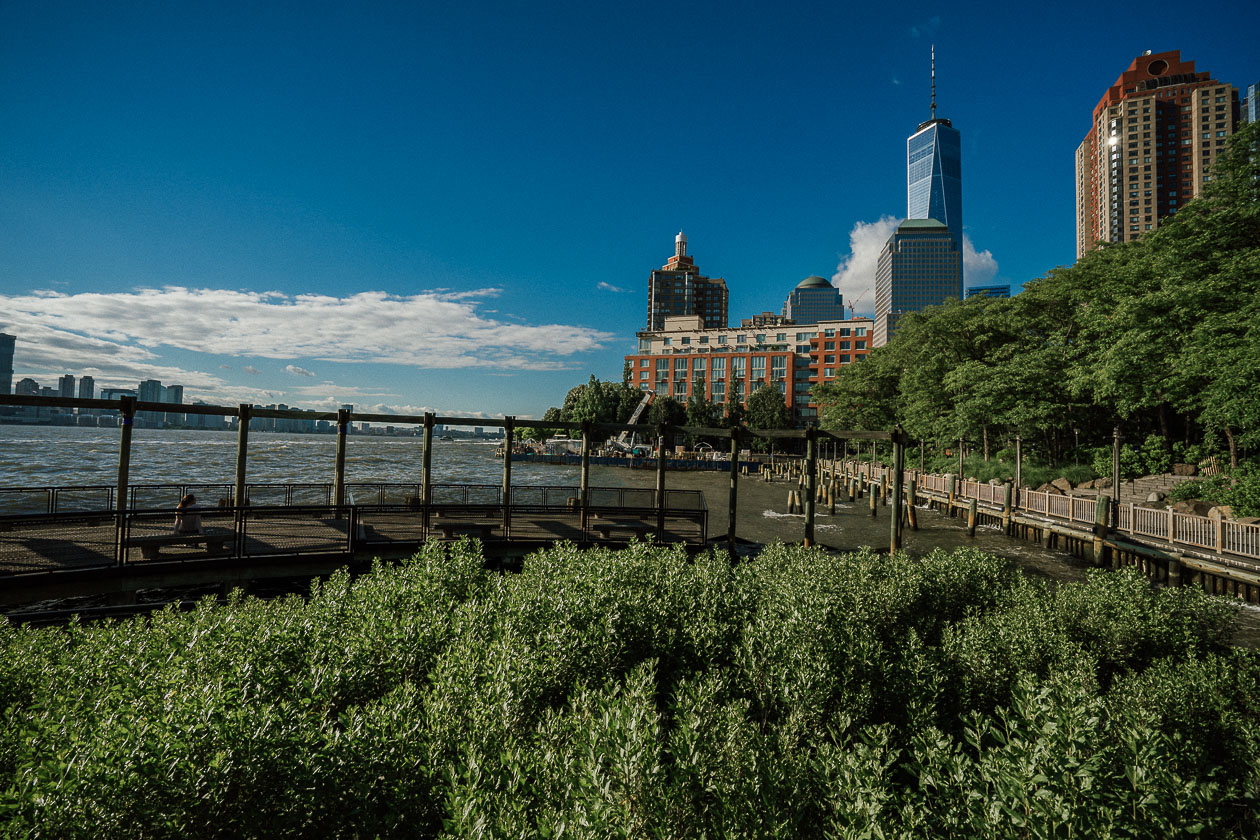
(75,540)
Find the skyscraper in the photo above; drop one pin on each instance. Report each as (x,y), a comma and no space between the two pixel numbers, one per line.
(150,391)
(7,343)
(65,386)
(679,288)
(934,170)
(1155,134)
(87,388)
(921,266)
(812,301)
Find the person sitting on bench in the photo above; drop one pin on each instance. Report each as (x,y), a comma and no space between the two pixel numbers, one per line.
(188,516)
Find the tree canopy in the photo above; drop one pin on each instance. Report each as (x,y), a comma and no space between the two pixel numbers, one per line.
(1160,335)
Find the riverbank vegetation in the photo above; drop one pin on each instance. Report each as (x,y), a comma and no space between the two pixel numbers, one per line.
(1160,336)
(641,693)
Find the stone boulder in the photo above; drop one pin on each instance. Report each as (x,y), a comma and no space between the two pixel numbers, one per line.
(1221,512)
(1086,485)
(1193,507)
(1063,484)
(1102,483)
(1049,487)
(1248,520)
(1184,469)
(1156,497)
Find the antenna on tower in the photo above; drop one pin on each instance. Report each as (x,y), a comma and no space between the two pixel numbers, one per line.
(934,81)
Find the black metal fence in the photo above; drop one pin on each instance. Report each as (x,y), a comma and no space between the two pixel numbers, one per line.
(69,540)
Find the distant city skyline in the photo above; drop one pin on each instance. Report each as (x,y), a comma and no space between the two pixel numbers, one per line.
(454,208)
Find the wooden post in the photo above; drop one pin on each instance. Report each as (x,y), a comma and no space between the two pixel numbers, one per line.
(1174,571)
(734,492)
(339,467)
(509,424)
(126,419)
(1008,498)
(951,482)
(426,469)
(1019,470)
(1102,518)
(242,448)
(971,518)
(922,459)
(1220,535)
(960,457)
(586,472)
(899,465)
(873,498)
(1116,440)
(660,483)
(811,482)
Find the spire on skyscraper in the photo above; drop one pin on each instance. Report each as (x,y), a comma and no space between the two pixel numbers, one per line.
(934,81)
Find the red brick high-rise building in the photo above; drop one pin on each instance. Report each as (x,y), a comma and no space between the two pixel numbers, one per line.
(1155,134)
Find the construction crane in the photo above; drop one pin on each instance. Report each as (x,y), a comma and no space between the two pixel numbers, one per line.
(857,301)
(620,442)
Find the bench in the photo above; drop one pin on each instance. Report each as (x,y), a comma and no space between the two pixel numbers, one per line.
(453,529)
(605,527)
(215,539)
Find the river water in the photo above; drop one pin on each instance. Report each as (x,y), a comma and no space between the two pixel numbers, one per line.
(44,456)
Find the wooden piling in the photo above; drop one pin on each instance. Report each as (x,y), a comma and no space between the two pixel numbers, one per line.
(810,477)
(244,414)
(339,464)
(585,481)
(971,518)
(734,491)
(509,424)
(660,483)
(1102,518)
(426,468)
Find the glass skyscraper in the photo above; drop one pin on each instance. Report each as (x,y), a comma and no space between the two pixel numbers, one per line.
(812,301)
(934,175)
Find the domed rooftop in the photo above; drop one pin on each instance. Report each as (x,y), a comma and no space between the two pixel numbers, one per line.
(813,281)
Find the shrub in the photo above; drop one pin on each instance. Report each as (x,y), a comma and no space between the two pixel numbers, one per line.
(642,692)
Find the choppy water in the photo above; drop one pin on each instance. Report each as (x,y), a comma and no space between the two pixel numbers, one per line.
(38,456)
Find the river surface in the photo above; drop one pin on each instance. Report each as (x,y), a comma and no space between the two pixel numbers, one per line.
(54,456)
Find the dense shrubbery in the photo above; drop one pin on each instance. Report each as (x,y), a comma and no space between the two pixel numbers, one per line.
(1239,488)
(638,693)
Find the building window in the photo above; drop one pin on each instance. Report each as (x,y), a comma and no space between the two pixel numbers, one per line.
(643,363)
(686,340)
(667,341)
(721,339)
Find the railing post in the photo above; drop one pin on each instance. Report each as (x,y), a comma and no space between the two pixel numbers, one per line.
(1008,496)
(660,483)
(734,493)
(1172,531)
(339,466)
(922,459)
(811,482)
(1102,517)
(899,465)
(586,472)
(1220,535)
(1116,440)
(509,424)
(426,470)
(242,449)
(127,419)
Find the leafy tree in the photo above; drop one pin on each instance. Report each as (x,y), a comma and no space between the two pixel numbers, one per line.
(767,410)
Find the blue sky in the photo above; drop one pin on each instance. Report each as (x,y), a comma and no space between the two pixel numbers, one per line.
(455,206)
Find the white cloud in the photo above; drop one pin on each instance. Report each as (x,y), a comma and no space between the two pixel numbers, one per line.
(609,287)
(251,370)
(298,371)
(440,330)
(855,275)
(979,267)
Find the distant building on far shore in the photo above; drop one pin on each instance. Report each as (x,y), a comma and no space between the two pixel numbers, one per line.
(7,343)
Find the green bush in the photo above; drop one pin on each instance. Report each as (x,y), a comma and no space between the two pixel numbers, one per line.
(1239,488)
(643,693)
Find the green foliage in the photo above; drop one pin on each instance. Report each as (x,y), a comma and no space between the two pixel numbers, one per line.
(1238,488)
(644,693)
(1162,333)
(767,409)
